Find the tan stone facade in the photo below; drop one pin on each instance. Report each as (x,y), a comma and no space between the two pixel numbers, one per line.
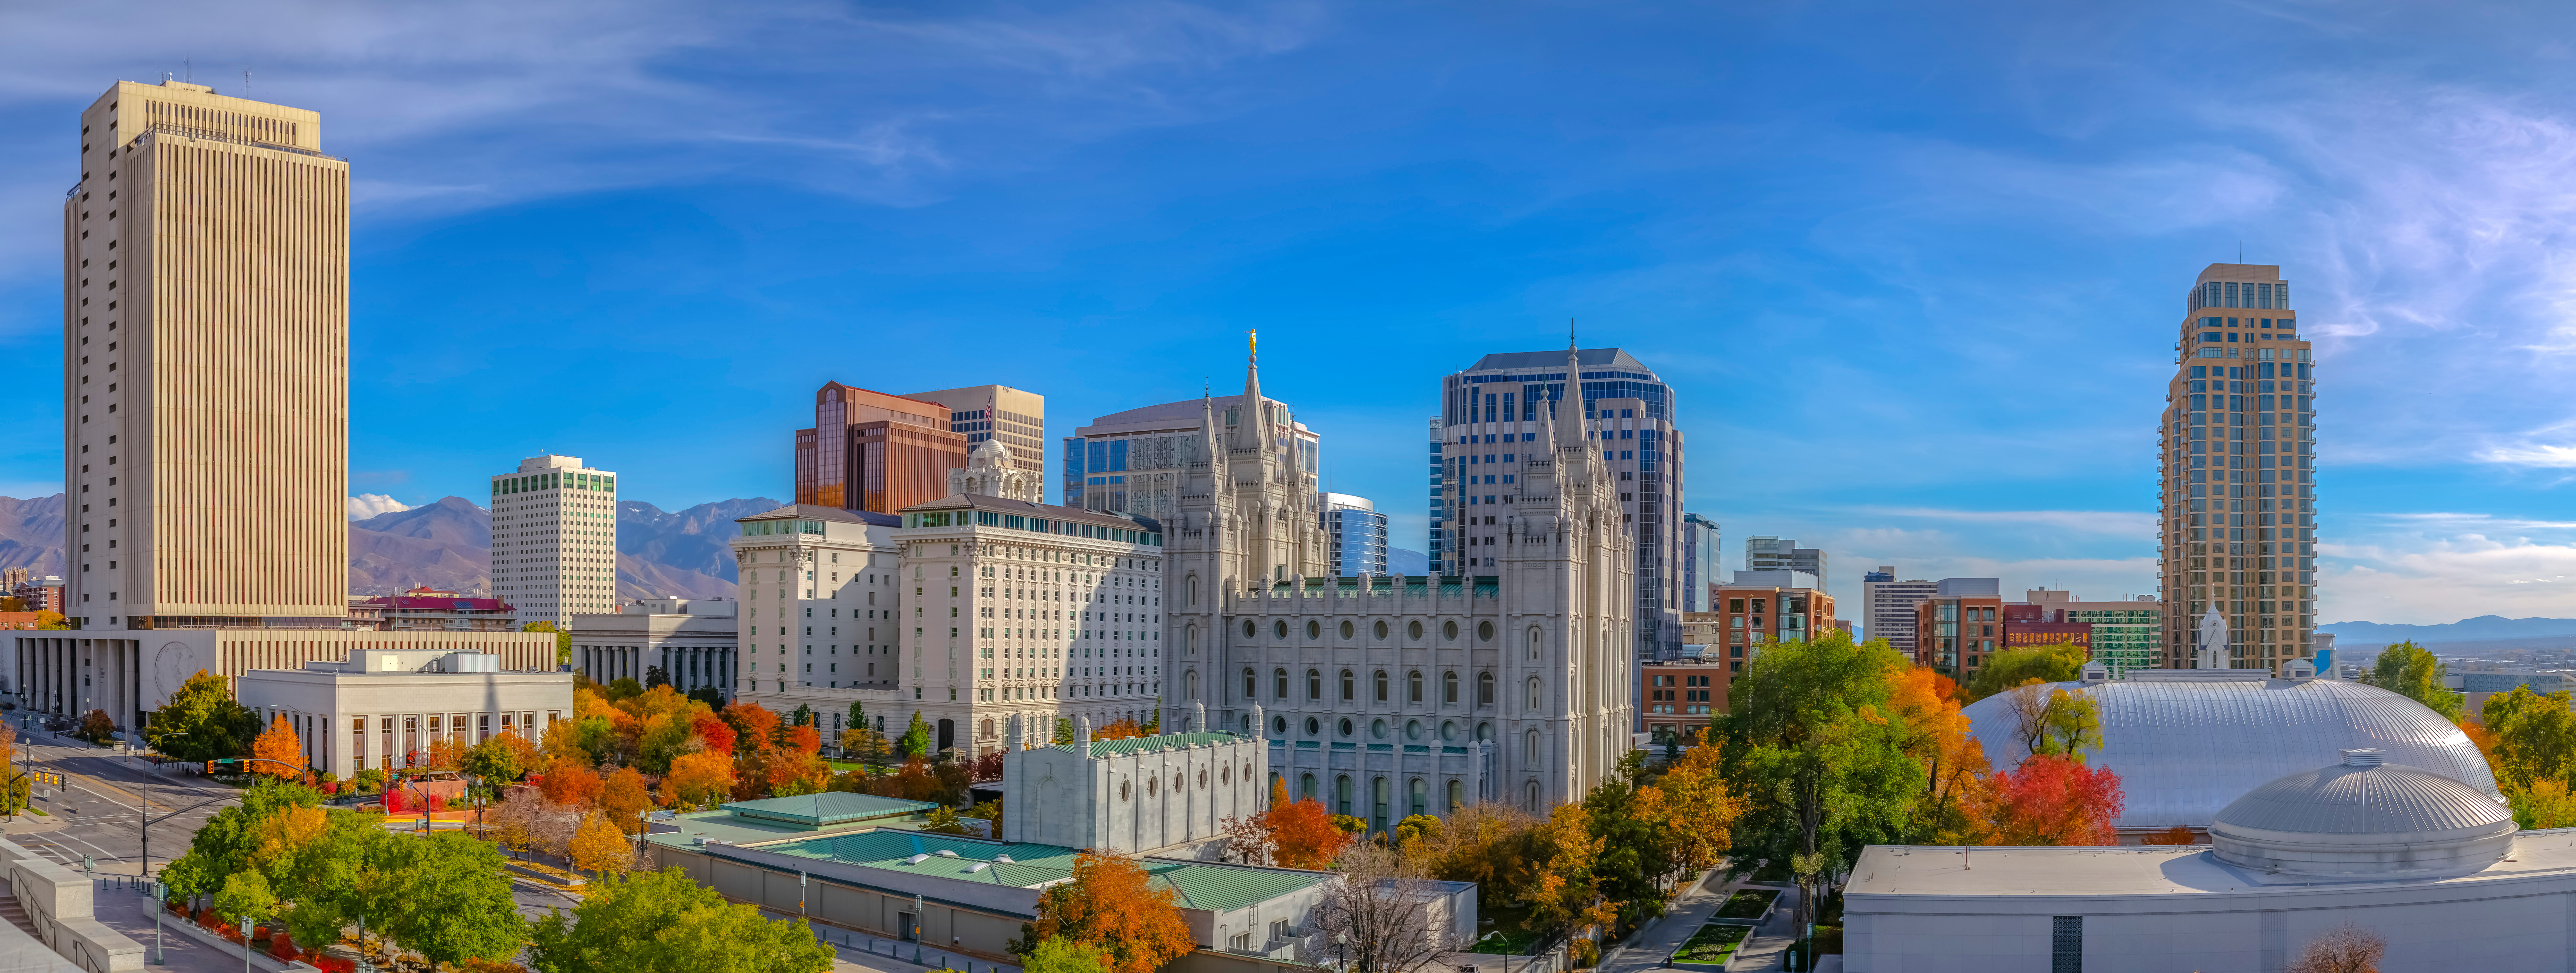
(2237,472)
(205,364)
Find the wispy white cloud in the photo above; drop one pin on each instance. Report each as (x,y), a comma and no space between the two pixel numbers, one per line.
(2129,523)
(2445,579)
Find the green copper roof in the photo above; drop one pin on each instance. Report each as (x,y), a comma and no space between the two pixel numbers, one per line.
(825,809)
(1101,748)
(1212,887)
(1218,888)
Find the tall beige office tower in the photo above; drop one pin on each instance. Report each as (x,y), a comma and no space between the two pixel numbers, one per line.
(1013,417)
(205,407)
(205,364)
(2238,473)
(554,539)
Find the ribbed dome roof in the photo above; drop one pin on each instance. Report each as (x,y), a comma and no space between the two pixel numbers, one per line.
(2347,799)
(2363,817)
(2187,743)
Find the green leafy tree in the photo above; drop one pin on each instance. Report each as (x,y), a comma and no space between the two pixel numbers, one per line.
(325,875)
(216,727)
(494,762)
(443,896)
(223,845)
(2011,668)
(667,923)
(245,895)
(2055,722)
(802,716)
(624,688)
(1817,753)
(2535,737)
(1063,730)
(1055,954)
(858,723)
(2412,671)
(710,695)
(916,738)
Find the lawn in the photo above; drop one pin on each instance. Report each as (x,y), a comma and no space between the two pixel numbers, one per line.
(1747,904)
(1714,943)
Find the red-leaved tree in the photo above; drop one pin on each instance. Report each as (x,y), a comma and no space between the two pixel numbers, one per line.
(2051,800)
(717,734)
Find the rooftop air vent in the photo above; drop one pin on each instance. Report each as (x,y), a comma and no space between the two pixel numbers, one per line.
(1004,858)
(977,867)
(916,859)
(2364,757)
(947,853)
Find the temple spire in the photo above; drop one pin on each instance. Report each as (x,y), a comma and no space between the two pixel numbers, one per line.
(1255,428)
(1569,403)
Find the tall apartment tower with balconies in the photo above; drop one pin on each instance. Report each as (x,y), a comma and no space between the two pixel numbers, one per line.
(2237,472)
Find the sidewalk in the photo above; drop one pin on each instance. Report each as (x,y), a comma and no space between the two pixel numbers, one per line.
(1768,947)
(1653,944)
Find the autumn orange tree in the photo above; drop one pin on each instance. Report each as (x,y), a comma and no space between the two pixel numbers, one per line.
(1110,906)
(279,744)
(2050,800)
(1120,729)
(570,782)
(624,799)
(1954,764)
(701,778)
(600,846)
(1689,809)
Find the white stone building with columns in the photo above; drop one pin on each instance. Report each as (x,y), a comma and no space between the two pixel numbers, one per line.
(692,641)
(818,612)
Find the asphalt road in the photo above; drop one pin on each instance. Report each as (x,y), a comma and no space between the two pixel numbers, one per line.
(96,817)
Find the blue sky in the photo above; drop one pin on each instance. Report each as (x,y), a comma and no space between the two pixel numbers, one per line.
(1915,269)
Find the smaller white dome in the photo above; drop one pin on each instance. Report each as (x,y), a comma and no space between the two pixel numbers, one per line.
(2363,817)
(990,452)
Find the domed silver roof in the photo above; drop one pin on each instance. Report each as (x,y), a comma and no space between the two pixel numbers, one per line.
(2362,795)
(2187,743)
(2363,816)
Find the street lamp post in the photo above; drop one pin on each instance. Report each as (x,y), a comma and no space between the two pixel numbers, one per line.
(160,906)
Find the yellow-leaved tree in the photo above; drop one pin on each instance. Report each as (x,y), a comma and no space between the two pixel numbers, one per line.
(600,847)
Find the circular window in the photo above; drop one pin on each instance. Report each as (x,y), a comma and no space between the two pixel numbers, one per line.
(1347,631)
(1377,728)
(1247,628)
(1413,729)
(1381,631)
(1346,726)
(1448,731)
(1180,782)
(1484,631)
(1314,727)
(1122,790)
(1279,630)
(1314,630)
(1279,724)
(1225,774)
(1202,780)
(1449,631)
(1413,630)
(1153,786)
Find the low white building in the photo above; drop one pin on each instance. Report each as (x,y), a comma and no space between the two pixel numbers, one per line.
(2428,864)
(692,640)
(1165,795)
(383,708)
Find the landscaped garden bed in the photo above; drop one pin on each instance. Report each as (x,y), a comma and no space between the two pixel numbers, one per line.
(1748,904)
(1715,943)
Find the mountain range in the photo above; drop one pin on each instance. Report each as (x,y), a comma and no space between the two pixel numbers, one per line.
(448,545)
(2480,629)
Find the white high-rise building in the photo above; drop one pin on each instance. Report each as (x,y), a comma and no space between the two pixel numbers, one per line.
(554,539)
(1887,607)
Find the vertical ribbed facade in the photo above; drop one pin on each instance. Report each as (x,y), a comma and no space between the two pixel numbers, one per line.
(2237,467)
(205,362)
